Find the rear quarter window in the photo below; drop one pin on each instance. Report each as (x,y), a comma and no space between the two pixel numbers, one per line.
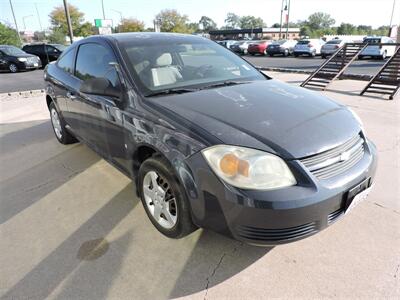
(66,61)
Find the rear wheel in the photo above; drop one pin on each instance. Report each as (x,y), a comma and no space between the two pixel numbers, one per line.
(286,52)
(164,199)
(62,135)
(13,68)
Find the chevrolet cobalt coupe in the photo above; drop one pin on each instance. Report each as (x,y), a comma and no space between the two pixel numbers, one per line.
(209,140)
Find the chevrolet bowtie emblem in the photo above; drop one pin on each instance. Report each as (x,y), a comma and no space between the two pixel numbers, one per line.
(344,156)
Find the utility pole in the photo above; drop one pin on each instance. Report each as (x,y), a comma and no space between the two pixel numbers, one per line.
(37,12)
(102,5)
(15,22)
(280,27)
(71,34)
(287,21)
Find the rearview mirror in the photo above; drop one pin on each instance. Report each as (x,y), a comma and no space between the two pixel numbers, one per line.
(100,86)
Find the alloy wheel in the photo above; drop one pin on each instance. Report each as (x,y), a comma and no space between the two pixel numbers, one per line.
(160,200)
(13,68)
(55,121)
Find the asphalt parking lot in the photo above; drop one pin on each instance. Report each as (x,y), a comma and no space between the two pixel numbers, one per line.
(71,227)
(33,80)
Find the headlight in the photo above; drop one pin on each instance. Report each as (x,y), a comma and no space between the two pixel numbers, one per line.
(22,59)
(249,168)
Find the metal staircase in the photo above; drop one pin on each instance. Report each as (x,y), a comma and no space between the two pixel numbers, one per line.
(387,80)
(335,66)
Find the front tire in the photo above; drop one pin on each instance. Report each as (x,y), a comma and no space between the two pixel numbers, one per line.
(164,198)
(58,124)
(13,68)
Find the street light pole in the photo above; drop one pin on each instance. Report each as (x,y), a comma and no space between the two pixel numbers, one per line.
(280,26)
(102,5)
(391,17)
(287,21)
(23,20)
(15,22)
(71,34)
(37,12)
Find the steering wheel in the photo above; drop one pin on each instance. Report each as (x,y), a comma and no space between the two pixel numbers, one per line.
(202,70)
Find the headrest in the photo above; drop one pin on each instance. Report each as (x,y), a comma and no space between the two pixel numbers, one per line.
(163,60)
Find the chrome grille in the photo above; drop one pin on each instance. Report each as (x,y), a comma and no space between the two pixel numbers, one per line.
(31,60)
(337,160)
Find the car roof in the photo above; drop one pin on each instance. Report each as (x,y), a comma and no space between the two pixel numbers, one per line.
(140,36)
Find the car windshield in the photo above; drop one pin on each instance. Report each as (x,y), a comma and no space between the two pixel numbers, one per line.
(11,50)
(59,47)
(167,65)
(304,42)
(334,42)
(280,42)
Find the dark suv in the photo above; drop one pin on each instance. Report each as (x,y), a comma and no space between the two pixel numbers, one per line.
(46,52)
(208,139)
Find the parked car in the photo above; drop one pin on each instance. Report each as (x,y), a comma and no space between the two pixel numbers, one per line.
(332,46)
(46,52)
(209,140)
(14,59)
(240,47)
(310,47)
(375,50)
(259,47)
(282,47)
(226,43)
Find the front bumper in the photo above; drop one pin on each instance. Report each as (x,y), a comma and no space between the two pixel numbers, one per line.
(276,216)
(29,66)
(273,50)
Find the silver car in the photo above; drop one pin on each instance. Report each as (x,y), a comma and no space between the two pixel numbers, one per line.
(310,47)
(332,46)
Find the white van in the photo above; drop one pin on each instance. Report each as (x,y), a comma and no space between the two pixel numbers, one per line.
(375,50)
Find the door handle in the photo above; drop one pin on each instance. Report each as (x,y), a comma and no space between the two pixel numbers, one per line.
(71,95)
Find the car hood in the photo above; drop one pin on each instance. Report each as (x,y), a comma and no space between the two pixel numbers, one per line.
(24,55)
(268,115)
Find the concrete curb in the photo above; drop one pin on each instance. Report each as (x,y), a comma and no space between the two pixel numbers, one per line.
(362,77)
(21,94)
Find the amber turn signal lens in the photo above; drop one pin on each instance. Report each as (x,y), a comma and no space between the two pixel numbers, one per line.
(231,165)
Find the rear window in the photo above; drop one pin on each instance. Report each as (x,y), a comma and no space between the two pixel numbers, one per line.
(334,42)
(372,41)
(304,42)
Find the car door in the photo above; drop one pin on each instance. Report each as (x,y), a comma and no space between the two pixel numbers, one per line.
(3,61)
(52,53)
(98,114)
(65,85)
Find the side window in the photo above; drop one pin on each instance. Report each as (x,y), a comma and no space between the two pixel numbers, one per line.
(66,61)
(93,61)
(51,49)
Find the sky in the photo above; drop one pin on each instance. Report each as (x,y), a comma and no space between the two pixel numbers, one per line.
(366,12)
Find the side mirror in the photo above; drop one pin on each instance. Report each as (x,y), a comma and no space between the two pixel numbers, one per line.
(100,86)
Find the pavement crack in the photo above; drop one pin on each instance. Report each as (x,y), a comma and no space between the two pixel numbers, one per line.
(208,279)
(397,271)
(213,273)
(384,207)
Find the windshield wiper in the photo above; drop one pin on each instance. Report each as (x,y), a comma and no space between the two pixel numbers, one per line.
(224,83)
(171,91)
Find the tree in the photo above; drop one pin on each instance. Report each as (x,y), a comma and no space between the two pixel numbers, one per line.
(364,29)
(57,36)
(346,29)
(58,21)
(320,20)
(232,21)
(193,27)
(171,21)
(207,24)
(251,22)
(131,25)
(8,36)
